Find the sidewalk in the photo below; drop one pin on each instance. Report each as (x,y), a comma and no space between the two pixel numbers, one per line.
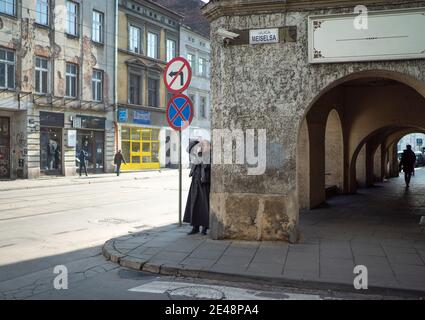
(377,228)
(55,181)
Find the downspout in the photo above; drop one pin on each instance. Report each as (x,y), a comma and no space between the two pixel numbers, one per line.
(116,77)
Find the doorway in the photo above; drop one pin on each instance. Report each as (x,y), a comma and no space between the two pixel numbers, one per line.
(51,151)
(4,148)
(93,142)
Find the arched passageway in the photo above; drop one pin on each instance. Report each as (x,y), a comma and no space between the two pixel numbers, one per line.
(348,138)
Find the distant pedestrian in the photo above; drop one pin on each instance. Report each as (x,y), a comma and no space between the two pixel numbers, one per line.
(198,201)
(118,160)
(82,157)
(407,164)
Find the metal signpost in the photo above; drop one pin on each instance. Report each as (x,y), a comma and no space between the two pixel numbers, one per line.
(177,76)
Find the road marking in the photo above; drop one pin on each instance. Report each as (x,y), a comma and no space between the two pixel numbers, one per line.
(201,291)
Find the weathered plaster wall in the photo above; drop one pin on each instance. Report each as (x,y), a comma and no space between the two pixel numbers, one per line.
(272,87)
(28,39)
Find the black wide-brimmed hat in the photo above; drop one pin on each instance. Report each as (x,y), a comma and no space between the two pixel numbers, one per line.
(192,143)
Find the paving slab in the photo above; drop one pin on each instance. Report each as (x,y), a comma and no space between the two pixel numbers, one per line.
(377,228)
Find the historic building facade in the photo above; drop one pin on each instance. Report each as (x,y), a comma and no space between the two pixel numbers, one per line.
(148,37)
(57,86)
(334,87)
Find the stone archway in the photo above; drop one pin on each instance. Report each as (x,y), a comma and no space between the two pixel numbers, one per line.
(275,87)
(359,112)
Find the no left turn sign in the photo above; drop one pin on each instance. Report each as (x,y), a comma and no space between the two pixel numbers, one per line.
(177,75)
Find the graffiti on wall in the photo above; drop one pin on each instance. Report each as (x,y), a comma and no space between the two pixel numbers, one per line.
(21,151)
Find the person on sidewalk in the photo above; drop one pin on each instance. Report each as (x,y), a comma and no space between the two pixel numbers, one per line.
(82,157)
(198,201)
(407,164)
(118,160)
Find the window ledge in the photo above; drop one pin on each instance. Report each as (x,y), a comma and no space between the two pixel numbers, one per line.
(6,15)
(42,26)
(8,89)
(72,36)
(98,44)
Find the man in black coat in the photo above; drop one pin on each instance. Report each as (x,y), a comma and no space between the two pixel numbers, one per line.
(407,164)
(83,156)
(198,201)
(118,160)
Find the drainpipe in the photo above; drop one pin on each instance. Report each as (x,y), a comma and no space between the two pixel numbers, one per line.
(116,76)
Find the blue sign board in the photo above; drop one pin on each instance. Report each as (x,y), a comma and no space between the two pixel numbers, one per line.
(141,117)
(122,115)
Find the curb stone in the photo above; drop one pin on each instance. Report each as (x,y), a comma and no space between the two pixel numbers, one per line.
(190,272)
(152,268)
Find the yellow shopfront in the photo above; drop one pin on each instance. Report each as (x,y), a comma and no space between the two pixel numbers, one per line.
(140,148)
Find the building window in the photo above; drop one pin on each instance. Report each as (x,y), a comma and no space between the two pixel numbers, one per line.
(8,7)
(191,60)
(202,67)
(7,69)
(193,99)
(203,108)
(152,45)
(134,89)
(41,75)
(97,34)
(171,49)
(153,92)
(97,85)
(134,39)
(43,12)
(71,80)
(72,18)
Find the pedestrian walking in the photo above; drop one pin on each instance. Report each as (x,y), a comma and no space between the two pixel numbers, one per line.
(118,160)
(198,201)
(407,164)
(82,157)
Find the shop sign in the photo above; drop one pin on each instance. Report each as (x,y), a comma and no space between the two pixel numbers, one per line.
(76,123)
(88,122)
(52,119)
(141,117)
(122,115)
(72,138)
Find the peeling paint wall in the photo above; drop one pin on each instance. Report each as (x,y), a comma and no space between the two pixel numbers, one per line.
(29,39)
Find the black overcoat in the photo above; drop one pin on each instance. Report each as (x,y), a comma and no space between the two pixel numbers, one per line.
(407,162)
(198,201)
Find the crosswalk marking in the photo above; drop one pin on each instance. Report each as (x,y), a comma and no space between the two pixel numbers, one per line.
(202,291)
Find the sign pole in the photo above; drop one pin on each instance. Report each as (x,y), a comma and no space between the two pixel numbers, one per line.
(177,77)
(180,178)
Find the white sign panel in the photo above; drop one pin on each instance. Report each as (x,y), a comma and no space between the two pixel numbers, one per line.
(76,123)
(389,35)
(72,138)
(260,36)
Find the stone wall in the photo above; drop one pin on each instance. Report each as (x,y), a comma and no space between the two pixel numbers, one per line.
(272,87)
